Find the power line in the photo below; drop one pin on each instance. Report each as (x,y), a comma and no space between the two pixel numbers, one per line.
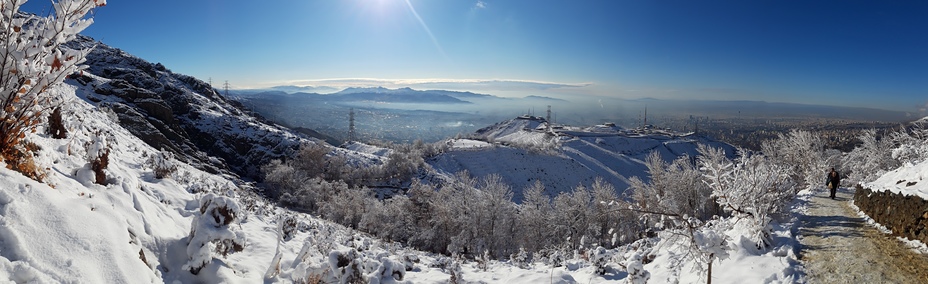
(351,125)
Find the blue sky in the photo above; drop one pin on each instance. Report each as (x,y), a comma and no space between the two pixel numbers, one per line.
(850,53)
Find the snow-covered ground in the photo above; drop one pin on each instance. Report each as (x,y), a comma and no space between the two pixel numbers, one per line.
(135,229)
(523,152)
(908,180)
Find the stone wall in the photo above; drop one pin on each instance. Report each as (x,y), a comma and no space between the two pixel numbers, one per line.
(906,216)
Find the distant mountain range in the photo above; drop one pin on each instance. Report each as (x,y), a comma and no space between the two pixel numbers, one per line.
(382,95)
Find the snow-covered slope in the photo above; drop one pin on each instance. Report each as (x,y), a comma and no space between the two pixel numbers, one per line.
(135,229)
(182,114)
(908,180)
(564,158)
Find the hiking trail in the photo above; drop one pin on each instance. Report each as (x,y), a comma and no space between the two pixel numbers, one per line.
(838,246)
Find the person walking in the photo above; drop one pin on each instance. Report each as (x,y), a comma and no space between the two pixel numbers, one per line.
(833,180)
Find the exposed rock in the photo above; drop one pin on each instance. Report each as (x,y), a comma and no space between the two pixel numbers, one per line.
(182,114)
(905,215)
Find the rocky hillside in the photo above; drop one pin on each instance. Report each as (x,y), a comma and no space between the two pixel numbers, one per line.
(182,114)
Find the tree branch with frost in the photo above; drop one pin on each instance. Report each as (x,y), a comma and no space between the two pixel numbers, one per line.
(32,61)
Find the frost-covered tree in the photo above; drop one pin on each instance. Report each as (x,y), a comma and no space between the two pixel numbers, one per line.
(33,62)
(347,206)
(910,144)
(572,216)
(803,155)
(211,227)
(679,205)
(675,188)
(534,218)
(871,158)
(390,219)
(750,187)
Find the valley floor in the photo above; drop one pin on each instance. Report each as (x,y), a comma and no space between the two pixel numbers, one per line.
(839,247)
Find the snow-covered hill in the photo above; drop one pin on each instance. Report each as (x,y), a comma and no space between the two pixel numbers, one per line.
(137,228)
(524,152)
(181,114)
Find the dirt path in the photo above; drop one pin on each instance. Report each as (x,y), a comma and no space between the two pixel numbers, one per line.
(839,247)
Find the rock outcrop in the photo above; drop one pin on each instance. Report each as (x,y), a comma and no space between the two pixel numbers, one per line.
(905,215)
(181,114)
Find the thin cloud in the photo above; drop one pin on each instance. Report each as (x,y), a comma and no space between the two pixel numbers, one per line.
(435,83)
(481,5)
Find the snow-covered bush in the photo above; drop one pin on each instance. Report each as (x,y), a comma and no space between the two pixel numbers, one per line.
(600,258)
(353,266)
(34,62)
(910,145)
(636,255)
(390,219)
(98,156)
(162,163)
(348,206)
(287,226)
(635,269)
(802,154)
(676,188)
(522,259)
(56,128)
(347,266)
(871,158)
(534,218)
(211,226)
(751,187)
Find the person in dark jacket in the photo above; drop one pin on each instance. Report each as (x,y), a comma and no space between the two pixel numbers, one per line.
(833,180)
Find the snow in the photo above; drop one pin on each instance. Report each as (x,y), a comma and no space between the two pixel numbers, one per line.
(521,153)
(140,226)
(69,229)
(906,180)
(459,144)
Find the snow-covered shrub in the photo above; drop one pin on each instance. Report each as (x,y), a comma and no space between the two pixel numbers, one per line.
(211,225)
(522,259)
(572,215)
(534,218)
(347,266)
(98,156)
(871,158)
(390,219)
(802,155)
(676,188)
(56,126)
(306,269)
(600,258)
(910,145)
(634,266)
(34,62)
(287,226)
(751,187)
(162,163)
(347,206)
